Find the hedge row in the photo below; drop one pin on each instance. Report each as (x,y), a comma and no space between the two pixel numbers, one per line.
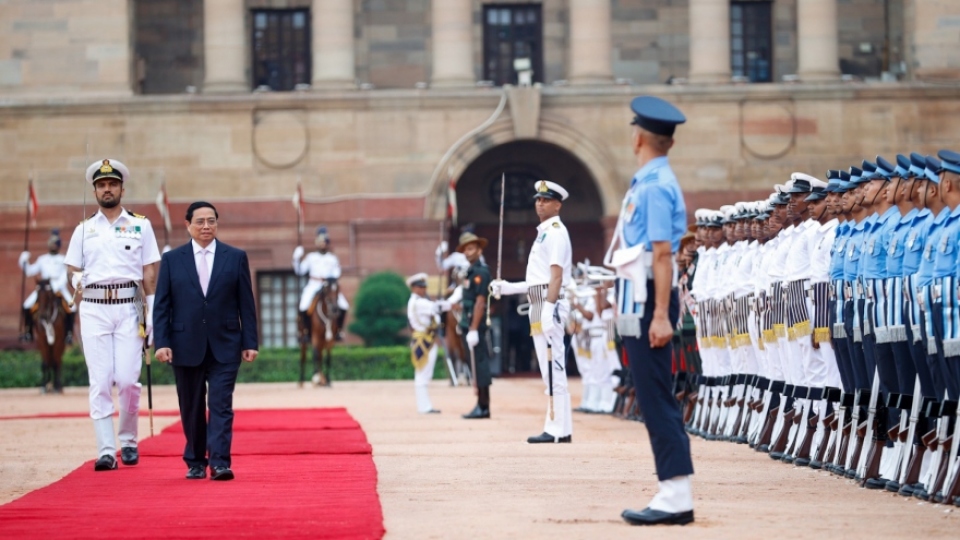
(19,369)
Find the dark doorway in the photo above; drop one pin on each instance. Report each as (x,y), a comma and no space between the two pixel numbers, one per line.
(478,197)
(511,32)
(751,40)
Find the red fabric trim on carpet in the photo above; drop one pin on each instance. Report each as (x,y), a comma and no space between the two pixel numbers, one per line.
(298,479)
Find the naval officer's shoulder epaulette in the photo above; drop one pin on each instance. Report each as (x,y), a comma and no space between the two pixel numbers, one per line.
(138,216)
(93,215)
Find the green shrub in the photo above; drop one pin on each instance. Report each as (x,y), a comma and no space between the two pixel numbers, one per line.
(381,310)
(20,369)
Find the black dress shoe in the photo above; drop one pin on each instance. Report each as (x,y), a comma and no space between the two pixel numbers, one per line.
(221,473)
(129,455)
(105,462)
(875,483)
(906,490)
(433,411)
(763,448)
(648,516)
(787,458)
(777,455)
(477,412)
(802,462)
(196,473)
(548,438)
(892,486)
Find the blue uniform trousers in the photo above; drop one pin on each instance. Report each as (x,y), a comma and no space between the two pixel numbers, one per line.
(653,380)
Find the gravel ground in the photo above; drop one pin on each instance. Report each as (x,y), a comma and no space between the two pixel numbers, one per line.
(443,477)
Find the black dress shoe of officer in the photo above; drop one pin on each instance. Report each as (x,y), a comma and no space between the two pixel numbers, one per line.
(433,411)
(221,473)
(548,438)
(787,458)
(477,412)
(763,448)
(921,494)
(105,462)
(129,455)
(907,490)
(740,440)
(875,483)
(648,516)
(581,409)
(938,498)
(196,473)
(777,455)
(892,486)
(850,473)
(802,462)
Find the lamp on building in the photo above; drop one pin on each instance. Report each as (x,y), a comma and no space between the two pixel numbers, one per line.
(524,70)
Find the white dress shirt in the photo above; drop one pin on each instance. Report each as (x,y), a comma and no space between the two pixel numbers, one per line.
(210,253)
(552,247)
(112,253)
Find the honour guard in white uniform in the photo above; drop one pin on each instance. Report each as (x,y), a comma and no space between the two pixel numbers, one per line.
(49,267)
(424,317)
(320,265)
(113,259)
(549,270)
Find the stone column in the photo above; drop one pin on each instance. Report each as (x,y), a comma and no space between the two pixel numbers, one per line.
(817,41)
(709,41)
(334,67)
(591,48)
(932,39)
(224,47)
(452,23)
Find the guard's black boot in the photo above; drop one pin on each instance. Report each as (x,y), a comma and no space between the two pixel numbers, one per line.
(27,326)
(482,410)
(304,327)
(68,322)
(341,319)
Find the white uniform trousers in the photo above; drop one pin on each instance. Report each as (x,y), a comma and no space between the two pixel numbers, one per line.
(311,289)
(601,376)
(562,423)
(421,380)
(112,348)
(583,367)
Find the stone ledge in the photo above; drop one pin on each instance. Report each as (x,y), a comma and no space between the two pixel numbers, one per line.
(434,99)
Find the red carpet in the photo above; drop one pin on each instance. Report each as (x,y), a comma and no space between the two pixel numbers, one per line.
(300,474)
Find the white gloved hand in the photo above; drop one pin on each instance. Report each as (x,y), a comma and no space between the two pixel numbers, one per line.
(149,320)
(298,252)
(76,280)
(24,259)
(496,288)
(473,338)
(508,288)
(441,249)
(546,317)
(443,305)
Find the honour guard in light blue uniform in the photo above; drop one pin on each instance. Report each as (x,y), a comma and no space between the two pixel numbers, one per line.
(652,220)
(113,259)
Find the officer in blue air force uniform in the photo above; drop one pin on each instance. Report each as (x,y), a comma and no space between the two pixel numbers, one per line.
(654,216)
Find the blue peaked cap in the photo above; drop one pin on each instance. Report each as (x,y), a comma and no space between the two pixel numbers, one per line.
(931,169)
(949,160)
(656,115)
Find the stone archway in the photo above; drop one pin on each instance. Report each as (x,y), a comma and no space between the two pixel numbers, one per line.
(595,158)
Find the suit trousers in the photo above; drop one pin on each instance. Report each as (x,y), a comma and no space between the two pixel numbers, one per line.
(653,379)
(214,436)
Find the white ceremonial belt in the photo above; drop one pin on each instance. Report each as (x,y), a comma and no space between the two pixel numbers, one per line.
(109,294)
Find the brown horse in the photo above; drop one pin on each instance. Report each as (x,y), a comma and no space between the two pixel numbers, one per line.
(51,335)
(324,313)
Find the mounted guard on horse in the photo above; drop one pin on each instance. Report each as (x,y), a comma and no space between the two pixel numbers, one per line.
(49,268)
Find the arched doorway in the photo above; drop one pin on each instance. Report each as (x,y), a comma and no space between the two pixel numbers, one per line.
(478,199)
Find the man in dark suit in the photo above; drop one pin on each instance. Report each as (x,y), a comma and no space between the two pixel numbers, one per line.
(205,322)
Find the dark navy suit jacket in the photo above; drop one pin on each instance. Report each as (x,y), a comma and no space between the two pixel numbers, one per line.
(186,321)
